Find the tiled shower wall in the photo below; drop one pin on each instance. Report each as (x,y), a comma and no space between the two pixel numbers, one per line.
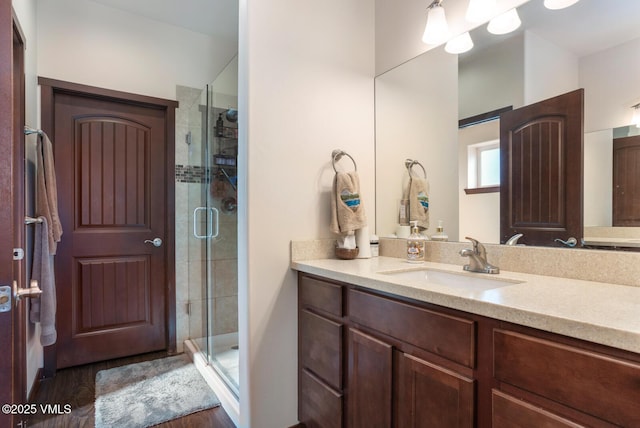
(193,182)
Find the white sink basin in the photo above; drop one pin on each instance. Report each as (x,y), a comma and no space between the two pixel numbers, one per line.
(464,281)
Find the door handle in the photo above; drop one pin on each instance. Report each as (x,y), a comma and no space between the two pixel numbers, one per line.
(157,242)
(20,293)
(209,211)
(571,242)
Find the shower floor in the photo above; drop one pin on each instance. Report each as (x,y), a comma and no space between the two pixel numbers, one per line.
(224,358)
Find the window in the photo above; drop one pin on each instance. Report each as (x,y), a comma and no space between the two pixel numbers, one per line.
(484,166)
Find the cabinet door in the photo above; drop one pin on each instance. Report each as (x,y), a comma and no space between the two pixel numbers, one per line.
(431,396)
(369,384)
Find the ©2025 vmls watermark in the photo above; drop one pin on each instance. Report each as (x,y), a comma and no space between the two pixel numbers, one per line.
(35,409)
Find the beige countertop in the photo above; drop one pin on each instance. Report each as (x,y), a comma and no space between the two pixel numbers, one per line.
(612,242)
(598,312)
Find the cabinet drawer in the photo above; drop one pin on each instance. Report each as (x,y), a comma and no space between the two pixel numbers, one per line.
(320,295)
(321,347)
(319,405)
(431,396)
(593,383)
(509,412)
(450,337)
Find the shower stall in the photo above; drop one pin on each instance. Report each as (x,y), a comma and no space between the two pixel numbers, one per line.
(206,224)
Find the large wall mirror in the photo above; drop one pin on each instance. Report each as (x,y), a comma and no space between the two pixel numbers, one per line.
(591,45)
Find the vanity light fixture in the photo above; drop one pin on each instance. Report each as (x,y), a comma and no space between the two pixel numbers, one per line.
(480,10)
(636,115)
(437,30)
(459,44)
(559,4)
(505,23)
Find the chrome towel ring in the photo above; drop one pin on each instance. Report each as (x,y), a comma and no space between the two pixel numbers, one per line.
(410,163)
(337,154)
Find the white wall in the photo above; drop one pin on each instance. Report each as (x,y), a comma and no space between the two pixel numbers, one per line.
(548,69)
(26,13)
(226,83)
(309,69)
(598,178)
(88,43)
(399,27)
(479,213)
(416,118)
(612,86)
(492,78)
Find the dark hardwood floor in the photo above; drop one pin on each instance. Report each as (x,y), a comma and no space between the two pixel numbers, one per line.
(76,386)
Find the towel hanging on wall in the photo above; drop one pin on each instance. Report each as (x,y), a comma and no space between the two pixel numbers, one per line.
(347,211)
(43,310)
(46,191)
(417,193)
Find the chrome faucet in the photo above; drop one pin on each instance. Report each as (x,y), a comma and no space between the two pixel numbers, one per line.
(514,239)
(477,258)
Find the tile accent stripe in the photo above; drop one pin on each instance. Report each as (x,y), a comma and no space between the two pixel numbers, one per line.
(193,174)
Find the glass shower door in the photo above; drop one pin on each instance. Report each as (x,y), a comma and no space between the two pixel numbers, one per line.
(220,215)
(208,119)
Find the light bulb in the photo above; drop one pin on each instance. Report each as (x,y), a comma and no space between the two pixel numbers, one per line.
(636,116)
(436,31)
(505,23)
(559,4)
(480,10)
(459,44)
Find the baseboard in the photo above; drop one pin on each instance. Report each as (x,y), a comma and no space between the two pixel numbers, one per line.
(35,387)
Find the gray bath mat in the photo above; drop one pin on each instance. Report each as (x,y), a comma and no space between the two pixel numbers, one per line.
(146,394)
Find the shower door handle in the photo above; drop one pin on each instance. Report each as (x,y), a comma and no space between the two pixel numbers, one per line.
(210,223)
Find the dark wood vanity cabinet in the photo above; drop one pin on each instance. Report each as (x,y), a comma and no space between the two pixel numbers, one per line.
(373,360)
(399,349)
(320,353)
(563,382)
(381,362)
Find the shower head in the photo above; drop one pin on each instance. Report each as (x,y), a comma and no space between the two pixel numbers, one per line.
(232,115)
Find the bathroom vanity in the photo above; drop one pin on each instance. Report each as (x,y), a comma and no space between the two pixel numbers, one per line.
(380,348)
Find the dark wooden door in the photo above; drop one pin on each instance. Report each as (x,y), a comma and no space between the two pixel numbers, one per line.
(431,396)
(626,181)
(12,321)
(110,157)
(541,170)
(369,384)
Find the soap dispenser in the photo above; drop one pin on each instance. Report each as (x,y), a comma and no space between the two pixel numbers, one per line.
(219,126)
(439,235)
(416,245)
